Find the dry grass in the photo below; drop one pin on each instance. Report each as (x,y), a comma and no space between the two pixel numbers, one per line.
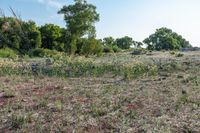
(168,102)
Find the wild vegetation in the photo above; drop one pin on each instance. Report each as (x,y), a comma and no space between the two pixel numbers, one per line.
(55,79)
(112,93)
(79,36)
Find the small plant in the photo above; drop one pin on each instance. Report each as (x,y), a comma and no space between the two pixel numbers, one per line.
(172,52)
(107,49)
(131,114)
(116,49)
(138,52)
(98,111)
(18,120)
(58,105)
(179,55)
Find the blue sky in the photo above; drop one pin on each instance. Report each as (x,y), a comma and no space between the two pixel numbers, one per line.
(118,18)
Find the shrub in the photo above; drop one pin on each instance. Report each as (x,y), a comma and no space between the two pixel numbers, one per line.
(18,120)
(7,53)
(91,47)
(116,49)
(179,55)
(107,49)
(40,52)
(172,52)
(138,52)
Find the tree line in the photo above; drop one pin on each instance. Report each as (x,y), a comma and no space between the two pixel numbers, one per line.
(79,35)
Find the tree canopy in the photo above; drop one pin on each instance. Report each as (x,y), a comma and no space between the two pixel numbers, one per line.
(51,37)
(166,39)
(124,42)
(80,18)
(79,35)
(109,41)
(19,35)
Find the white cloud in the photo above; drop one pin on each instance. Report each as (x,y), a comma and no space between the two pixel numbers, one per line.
(51,3)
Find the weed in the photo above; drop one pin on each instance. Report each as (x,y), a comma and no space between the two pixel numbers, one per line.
(58,105)
(172,52)
(18,120)
(179,55)
(98,111)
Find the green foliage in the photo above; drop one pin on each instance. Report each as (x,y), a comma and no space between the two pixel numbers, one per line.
(110,45)
(73,45)
(19,35)
(138,70)
(172,52)
(81,66)
(179,55)
(124,42)
(91,47)
(165,39)
(176,54)
(80,18)
(107,49)
(137,44)
(116,49)
(7,53)
(32,38)
(109,42)
(9,30)
(138,51)
(51,37)
(40,52)
(18,120)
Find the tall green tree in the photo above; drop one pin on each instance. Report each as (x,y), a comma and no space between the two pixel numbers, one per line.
(80,18)
(124,42)
(51,37)
(166,39)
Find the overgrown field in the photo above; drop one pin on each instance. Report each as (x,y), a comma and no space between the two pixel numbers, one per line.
(157,92)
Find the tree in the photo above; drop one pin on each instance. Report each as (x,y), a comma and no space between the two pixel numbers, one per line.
(9,33)
(80,18)
(19,35)
(165,39)
(51,37)
(33,35)
(124,42)
(109,42)
(137,44)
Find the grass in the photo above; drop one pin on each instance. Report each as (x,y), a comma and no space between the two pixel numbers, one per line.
(76,67)
(7,53)
(101,98)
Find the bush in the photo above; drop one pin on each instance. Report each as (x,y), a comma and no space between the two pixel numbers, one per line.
(7,53)
(179,55)
(172,52)
(91,47)
(107,49)
(40,52)
(138,52)
(116,49)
